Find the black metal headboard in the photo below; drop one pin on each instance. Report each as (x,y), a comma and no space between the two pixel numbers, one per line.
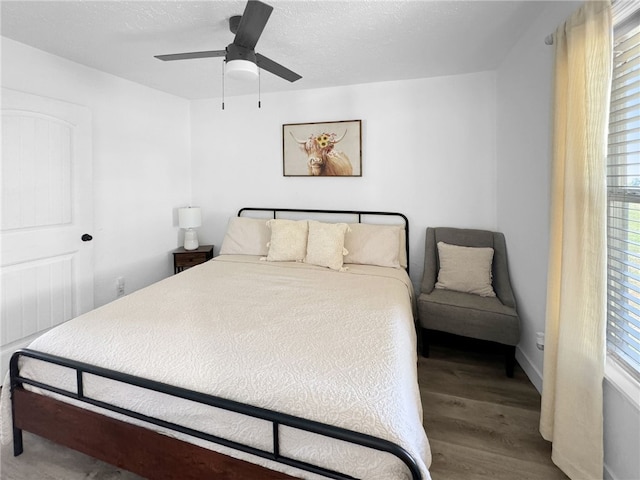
(359,214)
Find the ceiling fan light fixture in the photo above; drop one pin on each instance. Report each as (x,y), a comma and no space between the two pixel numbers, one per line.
(240,69)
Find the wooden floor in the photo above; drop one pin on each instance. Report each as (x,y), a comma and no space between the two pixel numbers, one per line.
(481,425)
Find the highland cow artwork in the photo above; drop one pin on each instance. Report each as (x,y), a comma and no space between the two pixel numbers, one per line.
(331,149)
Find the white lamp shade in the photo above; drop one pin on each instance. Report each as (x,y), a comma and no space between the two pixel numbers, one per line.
(241,69)
(189,217)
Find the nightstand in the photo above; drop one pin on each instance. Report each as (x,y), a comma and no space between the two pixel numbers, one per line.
(183,259)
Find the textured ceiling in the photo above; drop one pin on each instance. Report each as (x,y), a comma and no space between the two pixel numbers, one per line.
(328,42)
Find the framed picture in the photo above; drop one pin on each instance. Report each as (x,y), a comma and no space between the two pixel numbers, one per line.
(329,149)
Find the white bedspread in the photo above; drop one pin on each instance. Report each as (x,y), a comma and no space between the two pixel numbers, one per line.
(336,347)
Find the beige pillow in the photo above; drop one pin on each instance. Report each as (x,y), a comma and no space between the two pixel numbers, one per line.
(325,246)
(288,240)
(465,269)
(402,254)
(246,236)
(370,244)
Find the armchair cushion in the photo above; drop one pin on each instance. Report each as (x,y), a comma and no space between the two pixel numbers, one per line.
(486,318)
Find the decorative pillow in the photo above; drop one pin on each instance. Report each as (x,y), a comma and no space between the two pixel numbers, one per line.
(246,236)
(288,240)
(371,244)
(465,269)
(325,246)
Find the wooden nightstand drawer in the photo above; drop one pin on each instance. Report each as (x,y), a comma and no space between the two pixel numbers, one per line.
(183,259)
(191,259)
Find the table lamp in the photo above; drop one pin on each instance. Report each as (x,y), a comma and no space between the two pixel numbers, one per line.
(190,218)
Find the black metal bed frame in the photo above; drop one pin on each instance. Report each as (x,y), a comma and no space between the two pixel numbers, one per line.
(276,418)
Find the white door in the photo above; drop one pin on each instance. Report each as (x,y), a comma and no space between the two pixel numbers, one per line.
(46,269)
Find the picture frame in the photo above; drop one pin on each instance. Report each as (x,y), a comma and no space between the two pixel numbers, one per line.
(322,149)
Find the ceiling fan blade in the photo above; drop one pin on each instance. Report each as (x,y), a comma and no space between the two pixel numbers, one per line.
(275,68)
(186,56)
(252,24)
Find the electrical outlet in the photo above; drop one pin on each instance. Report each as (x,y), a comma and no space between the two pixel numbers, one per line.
(540,340)
(120,286)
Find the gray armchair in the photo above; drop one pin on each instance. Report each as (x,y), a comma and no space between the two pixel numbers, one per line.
(494,319)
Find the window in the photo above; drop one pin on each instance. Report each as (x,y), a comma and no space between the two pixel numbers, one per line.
(623,199)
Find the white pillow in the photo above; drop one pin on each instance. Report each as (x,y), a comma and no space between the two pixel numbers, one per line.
(370,244)
(465,269)
(325,246)
(246,236)
(288,240)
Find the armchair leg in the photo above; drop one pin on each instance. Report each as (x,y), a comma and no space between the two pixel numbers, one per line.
(510,361)
(425,342)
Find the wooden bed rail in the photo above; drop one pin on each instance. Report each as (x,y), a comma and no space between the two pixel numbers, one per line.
(20,415)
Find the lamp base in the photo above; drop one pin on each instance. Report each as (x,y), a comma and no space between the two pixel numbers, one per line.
(190,239)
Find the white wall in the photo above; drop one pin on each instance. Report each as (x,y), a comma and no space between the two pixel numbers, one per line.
(524,126)
(428,151)
(141,162)
(621,429)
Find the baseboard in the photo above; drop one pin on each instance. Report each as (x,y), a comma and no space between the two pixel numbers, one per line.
(530,369)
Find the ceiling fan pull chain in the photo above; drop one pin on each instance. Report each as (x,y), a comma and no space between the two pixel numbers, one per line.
(259,85)
(223,64)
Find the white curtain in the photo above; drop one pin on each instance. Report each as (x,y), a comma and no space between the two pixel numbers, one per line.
(571,413)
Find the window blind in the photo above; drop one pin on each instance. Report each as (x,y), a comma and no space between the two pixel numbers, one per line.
(623,198)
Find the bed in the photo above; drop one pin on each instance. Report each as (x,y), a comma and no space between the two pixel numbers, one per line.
(266,362)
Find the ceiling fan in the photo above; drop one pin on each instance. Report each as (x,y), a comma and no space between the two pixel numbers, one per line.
(241,60)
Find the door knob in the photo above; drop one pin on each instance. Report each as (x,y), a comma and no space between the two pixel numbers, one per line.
(86,237)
